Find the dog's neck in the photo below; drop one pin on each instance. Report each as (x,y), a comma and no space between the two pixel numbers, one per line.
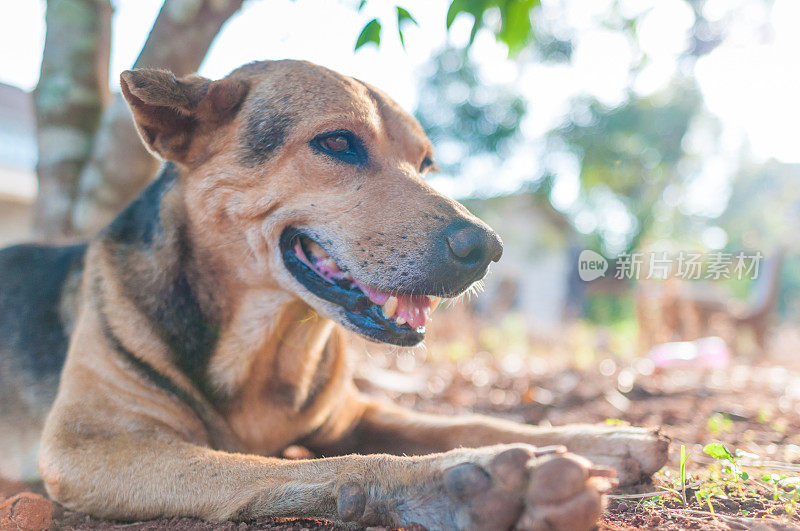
(226,340)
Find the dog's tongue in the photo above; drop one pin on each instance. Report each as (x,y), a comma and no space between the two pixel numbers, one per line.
(412,309)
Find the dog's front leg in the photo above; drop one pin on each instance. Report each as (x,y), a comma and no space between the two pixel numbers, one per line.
(497,487)
(635,453)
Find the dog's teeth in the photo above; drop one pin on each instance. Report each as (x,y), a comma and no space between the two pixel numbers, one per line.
(389,307)
(400,320)
(434,301)
(316,250)
(331,264)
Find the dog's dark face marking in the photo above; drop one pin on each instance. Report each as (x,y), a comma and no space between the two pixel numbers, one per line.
(267,119)
(264,134)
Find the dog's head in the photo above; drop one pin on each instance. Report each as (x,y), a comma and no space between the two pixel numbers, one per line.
(318,178)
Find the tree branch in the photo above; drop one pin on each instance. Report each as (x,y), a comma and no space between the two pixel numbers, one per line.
(120,166)
(68,100)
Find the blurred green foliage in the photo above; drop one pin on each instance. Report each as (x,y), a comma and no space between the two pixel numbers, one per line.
(460,111)
(633,151)
(608,309)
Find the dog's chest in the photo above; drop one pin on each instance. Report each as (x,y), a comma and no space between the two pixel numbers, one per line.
(290,389)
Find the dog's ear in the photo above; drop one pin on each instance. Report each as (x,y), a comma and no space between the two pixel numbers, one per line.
(168,110)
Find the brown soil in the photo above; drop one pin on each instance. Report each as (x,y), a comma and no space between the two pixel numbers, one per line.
(753,405)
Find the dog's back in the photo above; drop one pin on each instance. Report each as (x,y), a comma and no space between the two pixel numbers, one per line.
(38,297)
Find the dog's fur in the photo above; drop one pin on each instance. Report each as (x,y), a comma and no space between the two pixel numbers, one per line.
(188,354)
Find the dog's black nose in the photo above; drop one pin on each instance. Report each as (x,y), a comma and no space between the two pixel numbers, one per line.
(460,255)
(472,245)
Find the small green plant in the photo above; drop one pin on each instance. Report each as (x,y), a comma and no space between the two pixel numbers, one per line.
(684,458)
(785,489)
(732,467)
(791,497)
(650,503)
(775,479)
(706,493)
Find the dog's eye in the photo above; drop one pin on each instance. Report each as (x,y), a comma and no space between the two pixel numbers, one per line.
(428,165)
(336,144)
(342,145)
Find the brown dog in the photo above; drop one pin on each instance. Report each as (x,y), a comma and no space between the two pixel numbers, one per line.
(203,326)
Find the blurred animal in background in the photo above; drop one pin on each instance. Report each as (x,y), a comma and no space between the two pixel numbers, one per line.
(677,310)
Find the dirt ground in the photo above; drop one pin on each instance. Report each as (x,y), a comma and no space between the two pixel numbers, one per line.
(752,405)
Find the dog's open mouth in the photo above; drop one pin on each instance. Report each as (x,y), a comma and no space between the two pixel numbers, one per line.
(397,318)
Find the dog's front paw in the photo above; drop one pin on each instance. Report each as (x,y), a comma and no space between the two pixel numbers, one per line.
(517,490)
(635,453)
(491,488)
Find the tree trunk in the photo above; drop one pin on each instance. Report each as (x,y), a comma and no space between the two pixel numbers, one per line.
(119,166)
(68,100)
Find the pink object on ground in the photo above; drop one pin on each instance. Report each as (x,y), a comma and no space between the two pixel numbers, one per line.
(706,352)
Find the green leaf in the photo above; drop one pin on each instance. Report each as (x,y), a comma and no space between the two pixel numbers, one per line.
(744,475)
(456,7)
(404,18)
(403,15)
(516,30)
(476,8)
(684,458)
(718,450)
(475,27)
(370,33)
(361,5)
